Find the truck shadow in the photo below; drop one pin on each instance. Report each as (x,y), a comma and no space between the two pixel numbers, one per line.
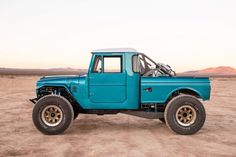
(107,124)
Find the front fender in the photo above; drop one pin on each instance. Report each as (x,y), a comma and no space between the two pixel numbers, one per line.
(53,85)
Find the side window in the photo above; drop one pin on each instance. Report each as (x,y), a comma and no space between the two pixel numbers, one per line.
(112,64)
(97,66)
(142,64)
(136,64)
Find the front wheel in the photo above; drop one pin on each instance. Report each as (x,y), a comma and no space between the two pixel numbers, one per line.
(185,115)
(52,114)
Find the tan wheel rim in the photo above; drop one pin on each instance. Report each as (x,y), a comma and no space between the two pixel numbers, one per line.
(52,115)
(186,115)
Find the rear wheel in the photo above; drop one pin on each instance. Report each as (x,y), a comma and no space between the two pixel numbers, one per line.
(185,115)
(52,114)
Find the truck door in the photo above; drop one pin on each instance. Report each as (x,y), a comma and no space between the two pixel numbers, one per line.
(107,79)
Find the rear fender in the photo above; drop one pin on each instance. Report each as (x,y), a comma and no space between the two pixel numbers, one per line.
(188,91)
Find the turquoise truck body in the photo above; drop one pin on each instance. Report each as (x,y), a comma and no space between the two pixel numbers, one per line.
(125,90)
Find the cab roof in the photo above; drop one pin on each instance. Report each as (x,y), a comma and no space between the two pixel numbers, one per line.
(119,50)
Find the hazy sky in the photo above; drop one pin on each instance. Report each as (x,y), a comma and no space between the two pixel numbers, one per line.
(53,33)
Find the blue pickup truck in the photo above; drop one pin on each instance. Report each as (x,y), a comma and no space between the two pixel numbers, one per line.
(122,81)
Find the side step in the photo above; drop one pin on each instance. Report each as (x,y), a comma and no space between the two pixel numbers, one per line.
(145,114)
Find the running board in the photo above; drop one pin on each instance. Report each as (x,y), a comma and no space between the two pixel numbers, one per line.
(145,114)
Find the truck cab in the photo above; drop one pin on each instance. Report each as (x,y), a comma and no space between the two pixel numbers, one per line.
(123,81)
(112,84)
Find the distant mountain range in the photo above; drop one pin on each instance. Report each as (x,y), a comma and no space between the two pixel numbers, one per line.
(214,71)
(42,72)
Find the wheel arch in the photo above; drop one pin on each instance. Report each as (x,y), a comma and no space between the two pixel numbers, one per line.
(61,90)
(53,86)
(186,91)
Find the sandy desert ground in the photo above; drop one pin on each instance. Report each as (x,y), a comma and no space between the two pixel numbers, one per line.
(114,135)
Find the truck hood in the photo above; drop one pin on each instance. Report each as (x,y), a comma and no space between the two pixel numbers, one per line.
(57,77)
(66,80)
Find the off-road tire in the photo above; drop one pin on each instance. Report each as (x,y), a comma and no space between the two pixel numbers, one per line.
(171,116)
(58,101)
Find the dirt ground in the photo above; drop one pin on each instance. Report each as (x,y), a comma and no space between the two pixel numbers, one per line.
(114,135)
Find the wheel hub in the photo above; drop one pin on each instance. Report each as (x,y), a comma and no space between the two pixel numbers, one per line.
(52,115)
(186,115)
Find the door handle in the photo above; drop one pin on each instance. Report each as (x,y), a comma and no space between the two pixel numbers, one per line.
(149,89)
